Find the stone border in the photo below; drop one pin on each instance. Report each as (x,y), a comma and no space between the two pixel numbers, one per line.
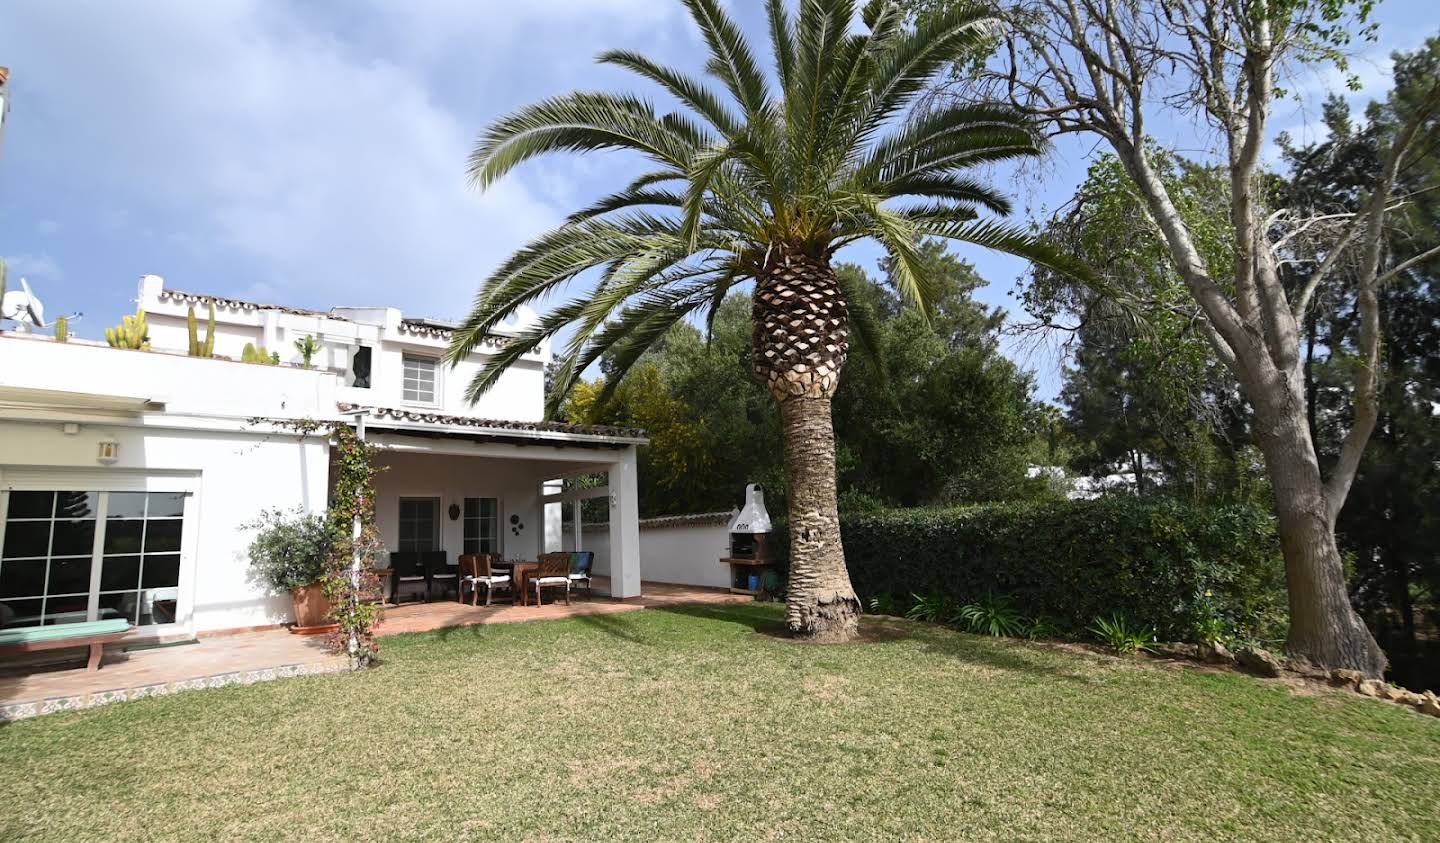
(1260,662)
(11,712)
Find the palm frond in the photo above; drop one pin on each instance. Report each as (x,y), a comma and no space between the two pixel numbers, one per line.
(689,91)
(653,178)
(731,60)
(915,58)
(580,122)
(818,32)
(516,347)
(627,198)
(552,259)
(952,187)
(864,324)
(654,318)
(782,41)
(950,129)
(642,273)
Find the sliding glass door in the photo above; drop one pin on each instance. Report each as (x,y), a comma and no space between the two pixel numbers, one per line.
(75,556)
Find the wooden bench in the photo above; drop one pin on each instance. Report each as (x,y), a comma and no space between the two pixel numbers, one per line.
(95,635)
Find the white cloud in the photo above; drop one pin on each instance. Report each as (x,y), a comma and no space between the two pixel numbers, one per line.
(239,129)
(32,267)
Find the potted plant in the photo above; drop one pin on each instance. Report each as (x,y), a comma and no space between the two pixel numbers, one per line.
(289,554)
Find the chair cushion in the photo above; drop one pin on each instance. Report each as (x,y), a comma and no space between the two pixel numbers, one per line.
(28,634)
(493,580)
(552,580)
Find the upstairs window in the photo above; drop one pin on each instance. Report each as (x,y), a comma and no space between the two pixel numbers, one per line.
(419,387)
(360,368)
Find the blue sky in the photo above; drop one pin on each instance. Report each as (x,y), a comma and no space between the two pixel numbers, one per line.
(313,153)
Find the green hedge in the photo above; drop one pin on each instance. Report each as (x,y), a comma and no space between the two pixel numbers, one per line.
(1162,563)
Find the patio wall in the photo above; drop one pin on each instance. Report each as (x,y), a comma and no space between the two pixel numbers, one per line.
(683,550)
(450,478)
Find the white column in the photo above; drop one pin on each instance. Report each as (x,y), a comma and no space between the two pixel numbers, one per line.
(271,338)
(575,512)
(624,527)
(554,529)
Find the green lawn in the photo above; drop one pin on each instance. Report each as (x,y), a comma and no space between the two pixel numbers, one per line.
(697,723)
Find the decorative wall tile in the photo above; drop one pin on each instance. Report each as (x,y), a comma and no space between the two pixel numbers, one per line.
(22,710)
(54,704)
(18,711)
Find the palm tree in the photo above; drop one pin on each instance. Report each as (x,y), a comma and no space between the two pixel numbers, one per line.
(761,187)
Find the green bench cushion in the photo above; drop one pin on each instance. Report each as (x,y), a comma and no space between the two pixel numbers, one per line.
(55,632)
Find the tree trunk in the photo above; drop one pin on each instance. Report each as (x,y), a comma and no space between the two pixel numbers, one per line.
(1324,626)
(820,602)
(800,343)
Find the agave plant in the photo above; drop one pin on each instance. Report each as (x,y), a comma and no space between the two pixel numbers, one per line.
(996,615)
(931,608)
(1117,633)
(761,181)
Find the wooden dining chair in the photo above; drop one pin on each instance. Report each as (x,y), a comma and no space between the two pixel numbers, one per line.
(553,571)
(476,570)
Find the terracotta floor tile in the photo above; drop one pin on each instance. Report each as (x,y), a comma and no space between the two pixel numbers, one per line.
(276,648)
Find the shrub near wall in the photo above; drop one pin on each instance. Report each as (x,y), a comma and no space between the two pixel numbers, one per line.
(1162,563)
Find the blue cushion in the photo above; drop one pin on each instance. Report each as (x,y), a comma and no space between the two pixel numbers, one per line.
(53,632)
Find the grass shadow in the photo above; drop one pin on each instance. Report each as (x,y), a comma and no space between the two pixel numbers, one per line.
(1012,655)
(615,625)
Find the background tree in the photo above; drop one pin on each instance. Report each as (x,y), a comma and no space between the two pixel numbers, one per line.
(761,187)
(939,416)
(1106,68)
(947,419)
(1154,404)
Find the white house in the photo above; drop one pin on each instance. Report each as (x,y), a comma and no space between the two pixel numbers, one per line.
(126,476)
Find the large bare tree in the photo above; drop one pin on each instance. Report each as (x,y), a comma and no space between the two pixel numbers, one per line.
(1107,69)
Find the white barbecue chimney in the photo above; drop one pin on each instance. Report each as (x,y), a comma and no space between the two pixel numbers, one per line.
(752,517)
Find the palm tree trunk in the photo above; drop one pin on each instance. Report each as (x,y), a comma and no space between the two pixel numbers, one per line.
(820,602)
(800,343)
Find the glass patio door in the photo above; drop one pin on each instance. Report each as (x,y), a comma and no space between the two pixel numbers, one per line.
(76,556)
(419,524)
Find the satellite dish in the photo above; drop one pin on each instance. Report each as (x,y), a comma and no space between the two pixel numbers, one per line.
(24,307)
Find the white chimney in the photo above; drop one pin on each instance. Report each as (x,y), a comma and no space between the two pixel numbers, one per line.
(752,517)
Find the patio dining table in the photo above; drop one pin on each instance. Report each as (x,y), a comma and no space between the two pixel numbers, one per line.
(520,578)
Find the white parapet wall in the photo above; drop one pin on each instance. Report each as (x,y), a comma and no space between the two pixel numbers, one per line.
(679,549)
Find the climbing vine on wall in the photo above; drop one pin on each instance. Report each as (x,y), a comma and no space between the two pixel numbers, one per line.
(353,595)
(345,587)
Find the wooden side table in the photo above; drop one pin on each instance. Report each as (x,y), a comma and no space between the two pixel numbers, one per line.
(384,586)
(520,577)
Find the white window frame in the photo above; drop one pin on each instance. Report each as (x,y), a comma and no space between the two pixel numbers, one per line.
(435,380)
(439,528)
(480,521)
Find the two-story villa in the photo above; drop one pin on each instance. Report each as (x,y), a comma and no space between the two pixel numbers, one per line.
(126,477)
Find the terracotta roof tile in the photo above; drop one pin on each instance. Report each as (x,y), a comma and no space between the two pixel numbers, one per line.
(184,297)
(381,414)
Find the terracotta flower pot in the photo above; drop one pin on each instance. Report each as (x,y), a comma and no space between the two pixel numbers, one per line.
(312,610)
